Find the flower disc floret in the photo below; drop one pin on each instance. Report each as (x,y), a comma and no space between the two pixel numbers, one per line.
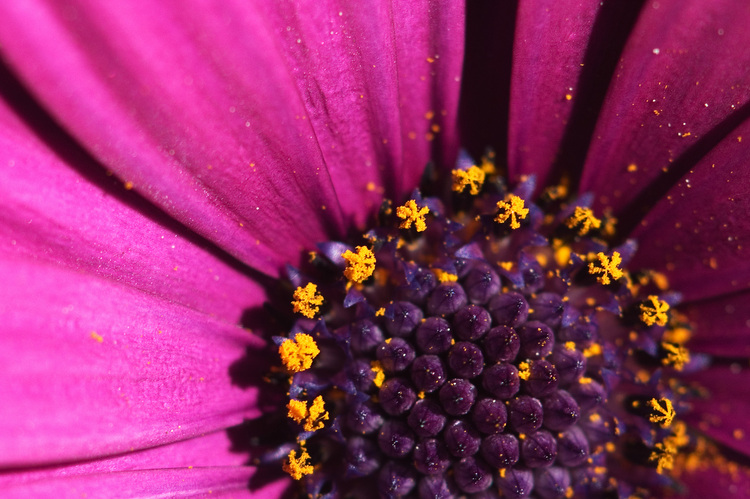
(360,265)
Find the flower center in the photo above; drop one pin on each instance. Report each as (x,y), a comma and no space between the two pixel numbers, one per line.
(480,342)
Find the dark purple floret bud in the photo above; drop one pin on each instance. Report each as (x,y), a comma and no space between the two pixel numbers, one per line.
(396,396)
(424,282)
(362,375)
(542,378)
(395,439)
(516,483)
(547,308)
(471,323)
(588,395)
(426,418)
(462,439)
(526,414)
(581,333)
(402,318)
(502,344)
(395,354)
(501,380)
(472,475)
(435,487)
(552,483)
(365,336)
(362,457)
(533,277)
(572,447)
(508,309)
(434,335)
(537,340)
(561,411)
(466,359)
(500,451)
(363,419)
(396,480)
(482,283)
(446,299)
(457,396)
(489,416)
(431,457)
(570,364)
(427,373)
(539,449)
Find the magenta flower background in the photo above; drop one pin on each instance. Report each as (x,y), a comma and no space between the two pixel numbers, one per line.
(158,160)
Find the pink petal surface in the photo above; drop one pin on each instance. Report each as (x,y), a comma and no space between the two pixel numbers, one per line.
(725,414)
(551,40)
(91,368)
(210,450)
(53,211)
(721,325)
(699,232)
(225,482)
(713,477)
(682,73)
(248,137)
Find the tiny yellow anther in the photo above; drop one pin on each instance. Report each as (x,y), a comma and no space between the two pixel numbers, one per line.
(298,354)
(663,456)
(654,311)
(511,209)
(307,300)
(316,415)
(410,213)
(677,356)
(360,265)
(585,220)
(377,368)
(606,269)
(444,276)
(594,349)
(524,370)
(570,345)
(472,178)
(300,466)
(297,410)
(663,412)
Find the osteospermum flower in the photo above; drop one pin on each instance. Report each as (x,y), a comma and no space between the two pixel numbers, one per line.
(564,316)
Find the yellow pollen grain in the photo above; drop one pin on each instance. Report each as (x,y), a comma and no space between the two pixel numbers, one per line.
(738,434)
(513,209)
(360,265)
(298,354)
(297,410)
(654,311)
(678,335)
(316,415)
(594,349)
(307,300)
(663,412)
(570,345)
(677,356)
(410,213)
(128,185)
(300,466)
(632,167)
(444,276)
(606,269)
(380,312)
(97,337)
(377,368)
(584,219)
(524,370)
(584,381)
(473,178)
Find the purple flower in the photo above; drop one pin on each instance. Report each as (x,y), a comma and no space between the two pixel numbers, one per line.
(162,164)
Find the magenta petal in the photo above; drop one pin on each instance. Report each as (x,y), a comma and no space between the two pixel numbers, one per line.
(681,75)
(249,126)
(211,450)
(550,45)
(698,232)
(156,483)
(725,414)
(709,479)
(721,325)
(55,213)
(91,368)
